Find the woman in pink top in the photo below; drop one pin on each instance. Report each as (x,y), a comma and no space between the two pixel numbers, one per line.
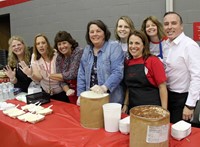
(43,63)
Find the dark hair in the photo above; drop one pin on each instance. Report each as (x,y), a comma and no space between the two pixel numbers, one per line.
(101,25)
(64,36)
(172,12)
(50,50)
(159,25)
(146,51)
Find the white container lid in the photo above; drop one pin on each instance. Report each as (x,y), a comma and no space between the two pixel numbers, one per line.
(180,130)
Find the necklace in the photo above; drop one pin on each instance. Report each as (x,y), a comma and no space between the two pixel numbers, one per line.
(50,91)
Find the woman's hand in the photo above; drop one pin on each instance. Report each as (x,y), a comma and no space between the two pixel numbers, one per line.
(24,67)
(125,109)
(9,72)
(99,89)
(70,92)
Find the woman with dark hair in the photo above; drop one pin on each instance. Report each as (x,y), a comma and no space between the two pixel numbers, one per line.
(43,64)
(144,75)
(156,35)
(67,63)
(102,63)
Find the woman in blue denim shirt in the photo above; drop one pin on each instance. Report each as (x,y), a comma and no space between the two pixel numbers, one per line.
(102,63)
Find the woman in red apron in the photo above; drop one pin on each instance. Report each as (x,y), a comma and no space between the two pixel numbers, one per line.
(144,75)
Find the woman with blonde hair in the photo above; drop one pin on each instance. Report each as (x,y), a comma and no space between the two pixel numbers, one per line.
(123,28)
(17,52)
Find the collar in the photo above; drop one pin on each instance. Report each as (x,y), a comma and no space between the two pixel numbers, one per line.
(177,39)
(102,49)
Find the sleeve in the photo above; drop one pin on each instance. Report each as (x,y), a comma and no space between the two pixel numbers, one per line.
(71,72)
(157,71)
(81,81)
(117,67)
(193,63)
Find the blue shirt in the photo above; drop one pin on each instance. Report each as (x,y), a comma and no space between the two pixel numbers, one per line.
(110,69)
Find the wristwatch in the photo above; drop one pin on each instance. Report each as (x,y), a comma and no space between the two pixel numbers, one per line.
(190,107)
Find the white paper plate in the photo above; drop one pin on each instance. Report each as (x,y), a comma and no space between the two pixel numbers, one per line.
(44,111)
(16,113)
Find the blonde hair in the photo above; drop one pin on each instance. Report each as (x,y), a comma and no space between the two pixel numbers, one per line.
(12,57)
(129,21)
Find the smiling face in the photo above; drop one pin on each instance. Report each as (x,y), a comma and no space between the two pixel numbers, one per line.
(123,30)
(41,45)
(151,29)
(17,47)
(172,26)
(64,48)
(96,36)
(135,46)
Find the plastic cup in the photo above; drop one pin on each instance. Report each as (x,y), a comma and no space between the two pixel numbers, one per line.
(112,115)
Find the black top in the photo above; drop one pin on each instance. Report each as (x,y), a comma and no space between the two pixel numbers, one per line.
(22,80)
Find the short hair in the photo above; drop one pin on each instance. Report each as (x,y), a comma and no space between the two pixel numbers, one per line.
(146,51)
(12,58)
(129,21)
(50,50)
(64,36)
(101,25)
(159,25)
(172,12)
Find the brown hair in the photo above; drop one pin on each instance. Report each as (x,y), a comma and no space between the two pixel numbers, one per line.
(50,50)
(101,25)
(159,25)
(64,36)
(146,51)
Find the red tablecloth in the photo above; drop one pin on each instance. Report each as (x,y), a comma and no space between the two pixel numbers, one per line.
(62,128)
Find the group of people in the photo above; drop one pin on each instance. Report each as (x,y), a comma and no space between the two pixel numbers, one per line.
(157,65)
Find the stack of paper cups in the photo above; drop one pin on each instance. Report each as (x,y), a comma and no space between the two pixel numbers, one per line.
(112,115)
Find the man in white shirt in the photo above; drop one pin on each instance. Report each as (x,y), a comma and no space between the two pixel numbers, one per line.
(182,66)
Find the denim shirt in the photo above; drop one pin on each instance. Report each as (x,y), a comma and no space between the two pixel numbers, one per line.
(110,69)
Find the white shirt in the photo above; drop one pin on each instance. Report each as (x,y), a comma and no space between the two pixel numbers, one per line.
(155,47)
(182,66)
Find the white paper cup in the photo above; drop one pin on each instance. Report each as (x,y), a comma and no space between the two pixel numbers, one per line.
(112,115)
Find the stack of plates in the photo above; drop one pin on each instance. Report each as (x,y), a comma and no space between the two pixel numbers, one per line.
(32,118)
(180,130)
(44,111)
(13,112)
(124,125)
(5,105)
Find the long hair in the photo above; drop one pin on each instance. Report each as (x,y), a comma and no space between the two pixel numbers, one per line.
(64,36)
(161,34)
(101,25)
(146,51)
(130,23)
(12,57)
(50,51)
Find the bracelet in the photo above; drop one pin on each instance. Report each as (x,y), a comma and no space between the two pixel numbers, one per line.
(125,104)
